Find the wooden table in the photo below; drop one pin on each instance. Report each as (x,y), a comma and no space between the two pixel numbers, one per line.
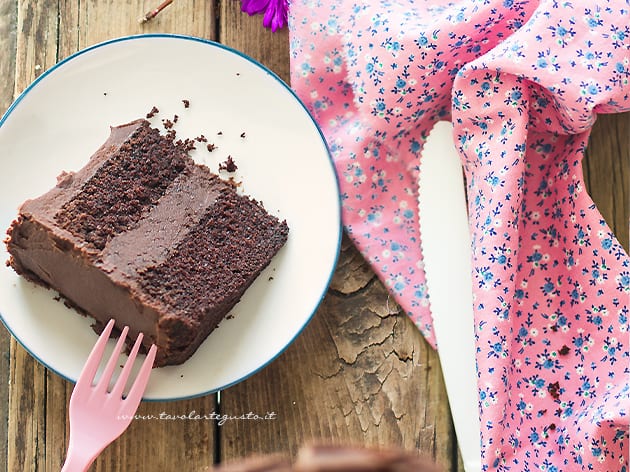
(360,373)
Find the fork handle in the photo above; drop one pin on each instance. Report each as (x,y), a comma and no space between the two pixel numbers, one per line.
(79,459)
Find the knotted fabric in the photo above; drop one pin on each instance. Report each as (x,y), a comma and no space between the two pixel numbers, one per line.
(522,82)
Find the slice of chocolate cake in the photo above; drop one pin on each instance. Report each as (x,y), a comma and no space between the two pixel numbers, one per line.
(144,235)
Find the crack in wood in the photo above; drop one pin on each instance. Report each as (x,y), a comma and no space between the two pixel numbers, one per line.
(356,292)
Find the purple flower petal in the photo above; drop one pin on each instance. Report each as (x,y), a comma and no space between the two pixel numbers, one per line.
(276,14)
(253,7)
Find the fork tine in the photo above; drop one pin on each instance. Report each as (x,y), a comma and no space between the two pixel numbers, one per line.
(117,391)
(103,382)
(94,359)
(137,389)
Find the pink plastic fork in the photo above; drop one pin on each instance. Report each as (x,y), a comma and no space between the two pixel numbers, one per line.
(98,417)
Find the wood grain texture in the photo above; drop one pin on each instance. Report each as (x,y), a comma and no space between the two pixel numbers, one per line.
(27,412)
(245,33)
(607,171)
(359,374)
(8,36)
(36,40)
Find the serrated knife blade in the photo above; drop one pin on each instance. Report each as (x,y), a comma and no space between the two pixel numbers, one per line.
(446,251)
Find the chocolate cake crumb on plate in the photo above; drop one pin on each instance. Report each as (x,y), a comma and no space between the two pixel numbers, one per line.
(228,165)
(154,111)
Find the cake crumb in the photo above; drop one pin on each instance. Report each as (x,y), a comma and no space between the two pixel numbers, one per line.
(105,93)
(154,111)
(168,124)
(175,118)
(201,138)
(243,134)
(65,179)
(211,147)
(187,144)
(554,390)
(186,103)
(564,350)
(220,133)
(228,165)
(233,183)
(229,317)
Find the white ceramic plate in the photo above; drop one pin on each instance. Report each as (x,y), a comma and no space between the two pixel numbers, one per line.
(283,161)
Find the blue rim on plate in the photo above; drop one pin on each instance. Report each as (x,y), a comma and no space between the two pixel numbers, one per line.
(253,61)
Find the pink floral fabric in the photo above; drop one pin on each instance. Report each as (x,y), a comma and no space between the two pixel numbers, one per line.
(522,82)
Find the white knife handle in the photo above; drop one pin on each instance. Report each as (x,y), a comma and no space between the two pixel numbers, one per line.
(447,259)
